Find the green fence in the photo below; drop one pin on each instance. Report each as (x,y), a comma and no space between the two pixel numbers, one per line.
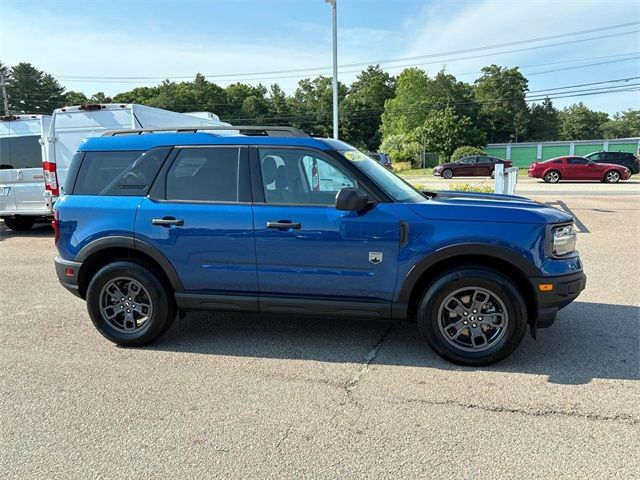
(523,154)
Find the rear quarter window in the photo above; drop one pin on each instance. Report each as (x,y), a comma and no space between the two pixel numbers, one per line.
(20,152)
(99,169)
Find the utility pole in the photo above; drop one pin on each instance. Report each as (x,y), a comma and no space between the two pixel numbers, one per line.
(334,15)
(5,100)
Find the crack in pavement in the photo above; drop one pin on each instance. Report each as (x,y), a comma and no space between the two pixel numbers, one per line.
(542,412)
(369,358)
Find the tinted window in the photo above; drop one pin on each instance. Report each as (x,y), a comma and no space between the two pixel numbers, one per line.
(204,175)
(557,162)
(300,177)
(595,157)
(20,152)
(138,177)
(484,160)
(99,169)
(466,160)
(577,161)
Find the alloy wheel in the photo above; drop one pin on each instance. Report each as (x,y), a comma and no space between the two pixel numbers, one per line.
(126,305)
(472,319)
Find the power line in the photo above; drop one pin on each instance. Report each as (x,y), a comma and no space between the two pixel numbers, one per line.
(395,60)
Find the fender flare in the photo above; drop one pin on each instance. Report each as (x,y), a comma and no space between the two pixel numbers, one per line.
(486,250)
(121,241)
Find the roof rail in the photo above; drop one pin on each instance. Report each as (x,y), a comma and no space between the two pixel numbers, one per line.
(268,131)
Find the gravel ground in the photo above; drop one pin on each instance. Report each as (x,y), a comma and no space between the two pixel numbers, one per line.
(230,395)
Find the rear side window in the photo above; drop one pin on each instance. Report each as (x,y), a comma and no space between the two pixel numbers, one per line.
(99,169)
(20,152)
(204,175)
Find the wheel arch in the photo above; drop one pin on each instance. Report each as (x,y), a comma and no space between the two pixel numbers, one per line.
(499,259)
(100,252)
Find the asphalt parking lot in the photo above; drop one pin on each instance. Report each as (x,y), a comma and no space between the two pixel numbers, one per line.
(247,396)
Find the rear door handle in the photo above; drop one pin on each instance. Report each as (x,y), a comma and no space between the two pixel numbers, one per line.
(167,221)
(284,224)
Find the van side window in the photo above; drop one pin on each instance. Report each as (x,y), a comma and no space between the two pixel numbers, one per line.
(20,152)
(204,175)
(99,169)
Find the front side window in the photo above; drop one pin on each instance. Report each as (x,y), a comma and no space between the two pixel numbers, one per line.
(204,175)
(292,176)
(484,160)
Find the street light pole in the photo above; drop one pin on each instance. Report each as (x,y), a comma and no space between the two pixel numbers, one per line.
(334,15)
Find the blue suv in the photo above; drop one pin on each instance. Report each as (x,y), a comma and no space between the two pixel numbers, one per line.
(268,219)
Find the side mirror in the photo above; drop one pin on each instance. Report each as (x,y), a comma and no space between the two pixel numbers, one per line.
(352,199)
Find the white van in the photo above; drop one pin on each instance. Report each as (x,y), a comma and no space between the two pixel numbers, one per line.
(70,125)
(21,177)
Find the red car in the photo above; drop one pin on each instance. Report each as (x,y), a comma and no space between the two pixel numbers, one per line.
(577,168)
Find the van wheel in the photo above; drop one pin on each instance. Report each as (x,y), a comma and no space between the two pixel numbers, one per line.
(18,224)
(473,316)
(129,305)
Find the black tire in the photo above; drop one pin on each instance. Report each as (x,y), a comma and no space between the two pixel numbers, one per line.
(493,174)
(432,314)
(159,296)
(612,176)
(552,176)
(18,224)
(448,174)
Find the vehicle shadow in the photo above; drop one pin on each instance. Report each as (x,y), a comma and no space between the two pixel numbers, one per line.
(589,340)
(39,230)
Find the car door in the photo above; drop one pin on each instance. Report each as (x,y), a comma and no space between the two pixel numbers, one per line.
(577,168)
(465,167)
(483,166)
(198,216)
(306,248)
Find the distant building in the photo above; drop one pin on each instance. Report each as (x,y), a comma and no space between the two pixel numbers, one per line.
(523,154)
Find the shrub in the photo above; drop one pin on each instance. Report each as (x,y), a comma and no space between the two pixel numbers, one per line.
(465,151)
(465,187)
(401,166)
(401,148)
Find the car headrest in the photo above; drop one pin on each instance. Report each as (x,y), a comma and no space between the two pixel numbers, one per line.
(269,170)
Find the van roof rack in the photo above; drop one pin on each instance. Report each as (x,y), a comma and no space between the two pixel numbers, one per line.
(265,131)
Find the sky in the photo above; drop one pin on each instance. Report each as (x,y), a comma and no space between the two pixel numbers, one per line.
(113,46)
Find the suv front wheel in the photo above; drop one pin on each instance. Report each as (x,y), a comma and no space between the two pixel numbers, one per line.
(129,305)
(473,316)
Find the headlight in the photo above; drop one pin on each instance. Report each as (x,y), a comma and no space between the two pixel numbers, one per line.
(564,240)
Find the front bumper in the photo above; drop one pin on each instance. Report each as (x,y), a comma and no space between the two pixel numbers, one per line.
(67,272)
(437,173)
(566,289)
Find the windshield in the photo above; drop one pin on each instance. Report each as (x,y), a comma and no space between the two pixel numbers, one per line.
(394,186)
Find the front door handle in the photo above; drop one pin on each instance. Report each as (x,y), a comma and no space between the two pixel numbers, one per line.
(284,225)
(167,221)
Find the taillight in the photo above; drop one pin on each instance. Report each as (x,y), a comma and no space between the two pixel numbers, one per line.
(50,178)
(56,227)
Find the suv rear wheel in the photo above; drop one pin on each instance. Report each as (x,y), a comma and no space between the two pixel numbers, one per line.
(129,305)
(18,224)
(473,316)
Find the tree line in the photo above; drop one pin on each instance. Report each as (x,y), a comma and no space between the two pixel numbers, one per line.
(403,115)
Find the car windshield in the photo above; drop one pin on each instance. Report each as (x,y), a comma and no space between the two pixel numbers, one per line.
(394,186)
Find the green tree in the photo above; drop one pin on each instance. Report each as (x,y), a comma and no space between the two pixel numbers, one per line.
(246,103)
(33,91)
(623,124)
(100,97)
(444,90)
(443,131)
(503,108)
(5,79)
(75,98)
(361,113)
(277,106)
(312,105)
(578,122)
(409,108)
(544,121)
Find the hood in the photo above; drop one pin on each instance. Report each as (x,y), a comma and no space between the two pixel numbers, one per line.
(488,207)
